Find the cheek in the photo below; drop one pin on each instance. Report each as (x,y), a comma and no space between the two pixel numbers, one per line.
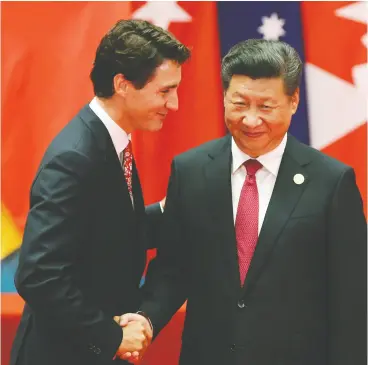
(281,125)
(232,125)
(233,119)
(278,122)
(138,106)
(156,104)
(148,103)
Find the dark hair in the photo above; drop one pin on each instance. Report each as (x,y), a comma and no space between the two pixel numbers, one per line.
(259,58)
(133,48)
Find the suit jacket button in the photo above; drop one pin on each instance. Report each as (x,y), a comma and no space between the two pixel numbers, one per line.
(241,304)
(233,347)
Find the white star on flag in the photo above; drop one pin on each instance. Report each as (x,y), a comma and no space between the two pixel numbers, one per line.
(162,13)
(272,27)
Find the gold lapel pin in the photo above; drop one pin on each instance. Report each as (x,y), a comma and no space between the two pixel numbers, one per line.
(298,179)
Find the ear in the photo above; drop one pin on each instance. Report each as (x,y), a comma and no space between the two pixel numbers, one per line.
(121,85)
(295,101)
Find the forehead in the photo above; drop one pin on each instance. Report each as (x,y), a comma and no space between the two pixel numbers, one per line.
(265,87)
(169,72)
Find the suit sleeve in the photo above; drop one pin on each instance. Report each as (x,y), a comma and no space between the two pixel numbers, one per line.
(165,288)
(347,275)
(53,234)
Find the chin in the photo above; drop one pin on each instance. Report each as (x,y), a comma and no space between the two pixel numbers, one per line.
(253,149)
(154,127)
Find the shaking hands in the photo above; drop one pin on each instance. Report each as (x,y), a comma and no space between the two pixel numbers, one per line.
(137,335)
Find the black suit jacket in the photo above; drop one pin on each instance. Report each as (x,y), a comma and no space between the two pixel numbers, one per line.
(304,297)
(83,250)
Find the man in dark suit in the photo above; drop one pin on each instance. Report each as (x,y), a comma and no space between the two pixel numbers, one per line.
(265,236)
(85,242)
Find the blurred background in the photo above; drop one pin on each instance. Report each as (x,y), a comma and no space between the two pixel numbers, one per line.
(47,50)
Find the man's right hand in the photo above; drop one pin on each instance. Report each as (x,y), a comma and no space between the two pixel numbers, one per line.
(136,338)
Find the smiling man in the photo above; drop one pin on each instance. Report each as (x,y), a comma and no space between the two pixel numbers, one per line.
(264,236)
(84,245)
(258,112)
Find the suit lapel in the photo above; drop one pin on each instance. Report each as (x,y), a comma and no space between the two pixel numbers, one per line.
(137,192)
(108,154)
(218,177)
(285,197)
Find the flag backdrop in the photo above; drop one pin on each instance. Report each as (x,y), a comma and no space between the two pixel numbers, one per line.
(47,53)
(47,57)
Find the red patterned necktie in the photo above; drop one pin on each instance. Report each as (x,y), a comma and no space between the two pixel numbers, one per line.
(128,165)
(246,222)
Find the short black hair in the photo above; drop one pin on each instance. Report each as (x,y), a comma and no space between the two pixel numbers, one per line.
(259,58)
(134,48)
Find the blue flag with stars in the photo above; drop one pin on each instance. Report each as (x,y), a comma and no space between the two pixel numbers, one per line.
(241,20)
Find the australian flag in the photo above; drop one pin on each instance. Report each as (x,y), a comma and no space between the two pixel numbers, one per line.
(271,20)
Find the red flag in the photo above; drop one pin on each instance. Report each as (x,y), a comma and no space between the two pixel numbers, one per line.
(200,115)
(48,49)
(337,82)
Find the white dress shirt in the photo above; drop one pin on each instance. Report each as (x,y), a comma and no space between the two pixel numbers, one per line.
(119,137)
(265,177)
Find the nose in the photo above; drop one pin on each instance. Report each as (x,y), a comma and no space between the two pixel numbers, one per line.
(251,118)
(173,102)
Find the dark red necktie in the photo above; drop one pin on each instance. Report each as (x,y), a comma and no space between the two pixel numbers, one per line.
(128,165)
(246,222)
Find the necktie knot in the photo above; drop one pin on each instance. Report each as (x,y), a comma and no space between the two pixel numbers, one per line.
(128,150)
(252,166)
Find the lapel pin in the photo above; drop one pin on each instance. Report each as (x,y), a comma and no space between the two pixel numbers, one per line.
(298,179)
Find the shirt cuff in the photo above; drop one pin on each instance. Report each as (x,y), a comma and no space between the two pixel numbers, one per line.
(145,316)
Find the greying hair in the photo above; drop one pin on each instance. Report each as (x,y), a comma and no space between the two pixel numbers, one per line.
(259,58)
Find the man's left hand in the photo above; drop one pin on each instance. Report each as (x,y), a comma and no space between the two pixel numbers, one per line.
(123,320)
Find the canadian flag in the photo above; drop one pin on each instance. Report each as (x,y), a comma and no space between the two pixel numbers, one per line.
(200,115)
(336,43)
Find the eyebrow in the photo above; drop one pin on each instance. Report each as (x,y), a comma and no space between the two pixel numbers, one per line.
(239,94)
(266,98)
(171,86)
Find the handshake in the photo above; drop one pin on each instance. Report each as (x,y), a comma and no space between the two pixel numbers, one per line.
(137,335)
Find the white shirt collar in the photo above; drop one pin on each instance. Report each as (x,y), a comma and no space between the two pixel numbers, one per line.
(270,160)
(119,137)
